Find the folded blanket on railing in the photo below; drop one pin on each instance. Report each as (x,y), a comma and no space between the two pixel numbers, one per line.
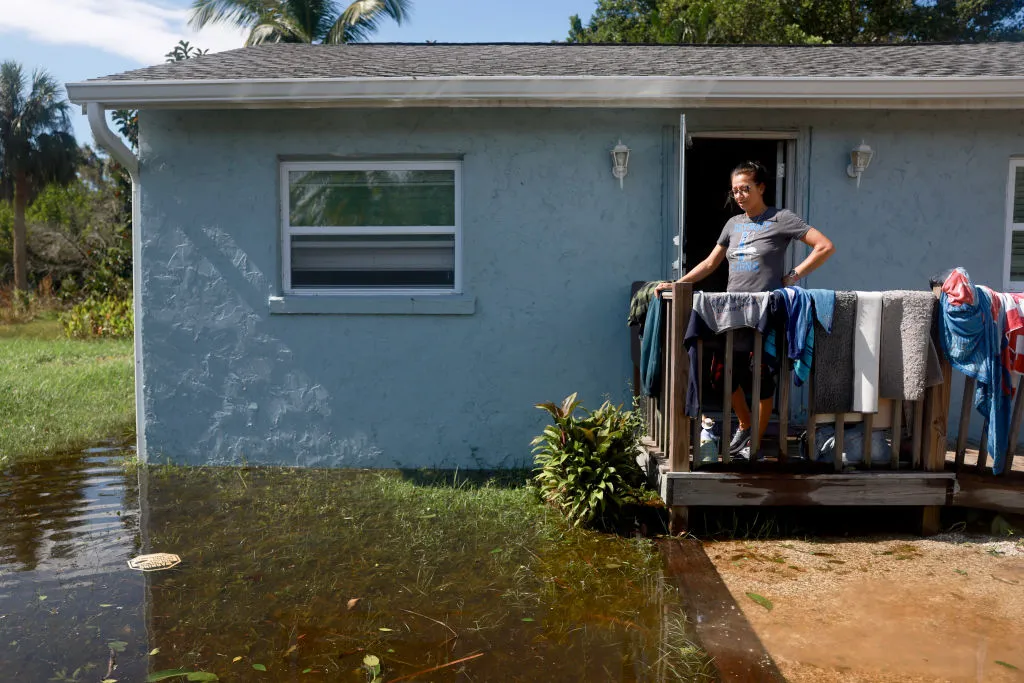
(714,313)
(651,348)
(865,352)
(908,361)
(723,311)
(833,381)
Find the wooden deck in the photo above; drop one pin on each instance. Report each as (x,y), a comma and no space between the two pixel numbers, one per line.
(922,469)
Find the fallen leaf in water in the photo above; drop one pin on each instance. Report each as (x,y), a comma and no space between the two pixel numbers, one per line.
(527,619)
(236,659)
(612,566)
(353,602)
(155,651)
(371,661)
(117,645)
(290,650)
(306,671)
(106,605)
(259,667)
(385,629)
(202,677)
(42,597)
(761,600)
(1007,665)
(109,680)
(496,550)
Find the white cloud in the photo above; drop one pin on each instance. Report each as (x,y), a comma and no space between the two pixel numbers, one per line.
(136,29)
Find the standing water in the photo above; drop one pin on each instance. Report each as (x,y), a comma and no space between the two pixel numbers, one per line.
(319,575)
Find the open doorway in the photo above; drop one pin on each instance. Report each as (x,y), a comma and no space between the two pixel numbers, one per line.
(709,161)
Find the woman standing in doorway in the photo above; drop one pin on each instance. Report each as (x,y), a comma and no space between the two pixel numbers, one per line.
(755,243)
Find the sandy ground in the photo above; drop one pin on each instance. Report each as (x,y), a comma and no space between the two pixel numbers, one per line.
(948,608)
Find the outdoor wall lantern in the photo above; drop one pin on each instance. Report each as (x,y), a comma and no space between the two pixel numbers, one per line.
(620,162)
(860,159)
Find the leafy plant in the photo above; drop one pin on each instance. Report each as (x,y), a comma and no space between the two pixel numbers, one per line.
(99,317)
(586,463)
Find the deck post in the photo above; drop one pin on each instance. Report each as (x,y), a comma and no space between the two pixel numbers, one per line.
(934,457)
(755,401)
(727,400)
(966,406)
(897,433)
(679,382)
(1018,409)
(783,406)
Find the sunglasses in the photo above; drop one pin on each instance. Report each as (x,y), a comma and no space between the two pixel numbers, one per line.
(740,189)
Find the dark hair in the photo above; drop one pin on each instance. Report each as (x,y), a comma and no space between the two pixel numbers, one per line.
(752,168)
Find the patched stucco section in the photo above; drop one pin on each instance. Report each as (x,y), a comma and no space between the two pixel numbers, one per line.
(550,245)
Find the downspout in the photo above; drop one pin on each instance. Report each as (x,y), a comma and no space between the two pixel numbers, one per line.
(108,140)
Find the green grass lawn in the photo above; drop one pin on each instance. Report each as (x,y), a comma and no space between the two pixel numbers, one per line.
(58,394)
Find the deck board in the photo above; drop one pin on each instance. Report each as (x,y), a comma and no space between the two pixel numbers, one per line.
(855,488)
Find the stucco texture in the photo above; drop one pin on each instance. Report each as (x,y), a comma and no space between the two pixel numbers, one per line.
(550,246)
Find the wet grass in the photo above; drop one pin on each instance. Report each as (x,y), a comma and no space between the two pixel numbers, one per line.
(313,571)
(58,394)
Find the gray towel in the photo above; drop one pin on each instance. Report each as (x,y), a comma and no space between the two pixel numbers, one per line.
(833,358)
(908,361)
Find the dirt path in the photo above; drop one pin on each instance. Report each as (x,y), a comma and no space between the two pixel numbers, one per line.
(886,609)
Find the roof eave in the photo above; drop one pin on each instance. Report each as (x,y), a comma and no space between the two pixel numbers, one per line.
(548,91)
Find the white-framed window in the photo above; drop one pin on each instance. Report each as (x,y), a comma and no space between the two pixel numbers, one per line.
(371,227)
(1013,266)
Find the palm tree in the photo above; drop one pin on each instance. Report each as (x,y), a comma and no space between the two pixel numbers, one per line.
(300,21)
(36,147)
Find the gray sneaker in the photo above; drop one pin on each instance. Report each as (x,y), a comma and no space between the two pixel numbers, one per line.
(740,440)
(743,454)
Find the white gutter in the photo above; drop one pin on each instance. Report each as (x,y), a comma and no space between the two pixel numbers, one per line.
(108,140)
(631,91)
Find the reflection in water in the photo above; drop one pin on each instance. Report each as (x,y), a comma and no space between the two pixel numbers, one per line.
(305,573)
(67,527)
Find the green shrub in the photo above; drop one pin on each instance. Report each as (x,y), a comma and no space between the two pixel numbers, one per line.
(99,317)
(586,464)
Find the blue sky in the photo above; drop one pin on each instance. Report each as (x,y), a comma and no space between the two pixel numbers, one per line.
(79,39)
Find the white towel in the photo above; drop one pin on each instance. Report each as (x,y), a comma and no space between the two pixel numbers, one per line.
(866,345)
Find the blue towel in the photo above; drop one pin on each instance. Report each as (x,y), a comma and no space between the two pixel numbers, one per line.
(799,331)
(650,349)
(824,306)
(972,341)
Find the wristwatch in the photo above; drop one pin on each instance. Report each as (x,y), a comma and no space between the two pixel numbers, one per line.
(792,274)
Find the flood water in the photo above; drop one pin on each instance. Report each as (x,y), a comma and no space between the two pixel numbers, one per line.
(319,575)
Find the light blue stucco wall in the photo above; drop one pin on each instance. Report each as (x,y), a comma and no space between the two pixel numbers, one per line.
(550,245)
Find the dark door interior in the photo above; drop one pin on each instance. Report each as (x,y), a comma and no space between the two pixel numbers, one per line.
(709,163)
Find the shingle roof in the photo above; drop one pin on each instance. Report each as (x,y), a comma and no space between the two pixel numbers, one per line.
(384,60)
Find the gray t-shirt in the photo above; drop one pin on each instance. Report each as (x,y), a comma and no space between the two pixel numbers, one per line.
(756,250)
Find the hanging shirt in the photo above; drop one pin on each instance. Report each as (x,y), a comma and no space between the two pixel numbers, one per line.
(972,339)
(756,248)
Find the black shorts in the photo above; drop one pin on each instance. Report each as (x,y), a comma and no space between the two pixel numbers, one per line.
(742,366)
(743,375)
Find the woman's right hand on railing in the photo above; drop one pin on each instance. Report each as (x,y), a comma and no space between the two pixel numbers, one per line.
(664,286)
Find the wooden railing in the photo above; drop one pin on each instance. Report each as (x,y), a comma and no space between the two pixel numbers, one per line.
(674,437)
